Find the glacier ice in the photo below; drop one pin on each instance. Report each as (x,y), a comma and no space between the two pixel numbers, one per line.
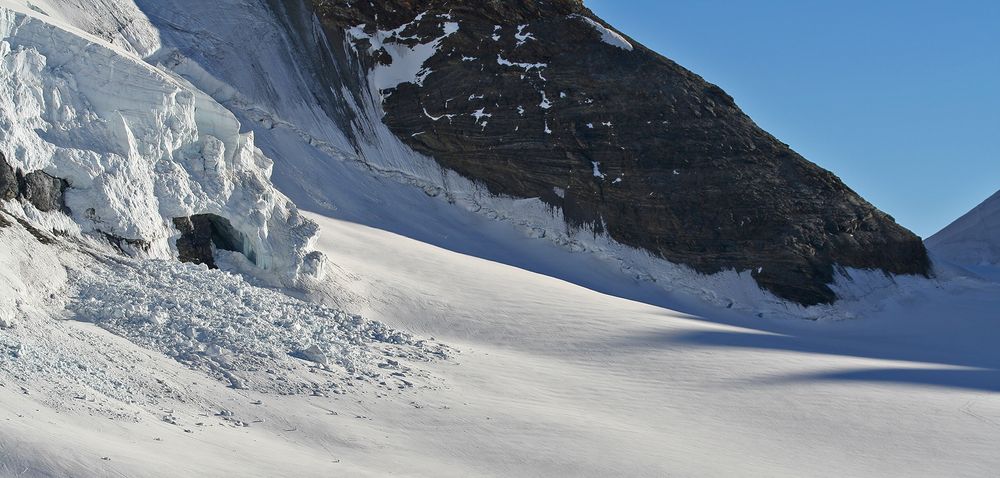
(138,146)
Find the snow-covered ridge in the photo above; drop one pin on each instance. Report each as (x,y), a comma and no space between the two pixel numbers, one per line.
(138,146)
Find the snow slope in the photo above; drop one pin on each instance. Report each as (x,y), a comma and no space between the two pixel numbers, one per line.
(973,239)
(547,379)
(98,345)
(577,383)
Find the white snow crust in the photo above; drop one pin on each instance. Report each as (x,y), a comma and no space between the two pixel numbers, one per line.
(608,35)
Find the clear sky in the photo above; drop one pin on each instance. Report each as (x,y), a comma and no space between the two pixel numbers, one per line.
(900,98)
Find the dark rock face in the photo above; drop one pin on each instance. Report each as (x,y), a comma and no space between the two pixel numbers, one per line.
(199,233)
(127,246)
(8,181)
(45,192)
(527,99)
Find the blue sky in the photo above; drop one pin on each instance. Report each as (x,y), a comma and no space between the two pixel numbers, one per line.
(901,99)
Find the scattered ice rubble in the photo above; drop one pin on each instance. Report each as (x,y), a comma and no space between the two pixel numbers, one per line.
(53,287)
(250,336)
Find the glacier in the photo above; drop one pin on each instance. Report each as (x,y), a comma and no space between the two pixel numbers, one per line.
(138,147)
(497,341)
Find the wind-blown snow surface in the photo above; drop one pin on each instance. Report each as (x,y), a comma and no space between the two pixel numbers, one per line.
(552,380)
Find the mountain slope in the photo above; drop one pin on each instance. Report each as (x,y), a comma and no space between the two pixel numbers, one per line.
(973,239)
(313,102)
(121,361)
(548,379)
(543,100)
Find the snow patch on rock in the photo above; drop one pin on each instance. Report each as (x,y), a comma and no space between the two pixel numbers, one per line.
(608,35)
(407,65)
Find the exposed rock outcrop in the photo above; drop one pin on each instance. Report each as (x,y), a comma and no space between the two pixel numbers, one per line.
(42,190)
(8,181)
(201,234)
(542,99)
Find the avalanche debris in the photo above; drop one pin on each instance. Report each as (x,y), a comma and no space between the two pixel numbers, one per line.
(217,322)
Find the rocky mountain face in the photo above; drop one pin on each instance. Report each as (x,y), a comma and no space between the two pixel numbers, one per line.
(542,99)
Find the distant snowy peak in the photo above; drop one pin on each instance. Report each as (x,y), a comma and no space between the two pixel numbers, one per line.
(973,239)
(529,98)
